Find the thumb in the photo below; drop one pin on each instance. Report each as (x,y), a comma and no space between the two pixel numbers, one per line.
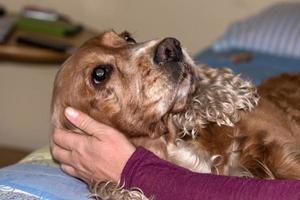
(84,122)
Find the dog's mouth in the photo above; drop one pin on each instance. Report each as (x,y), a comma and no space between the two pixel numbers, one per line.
(183,90)
(174,61)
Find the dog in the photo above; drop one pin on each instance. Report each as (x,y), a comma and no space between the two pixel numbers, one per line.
(205,119)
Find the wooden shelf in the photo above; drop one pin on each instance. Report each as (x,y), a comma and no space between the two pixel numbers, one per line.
(9,156)
(11,50)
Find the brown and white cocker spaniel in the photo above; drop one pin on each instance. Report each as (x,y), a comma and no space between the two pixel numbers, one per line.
(204,119)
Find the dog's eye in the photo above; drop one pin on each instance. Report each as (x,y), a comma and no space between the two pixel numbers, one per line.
(101,73)
(128,38)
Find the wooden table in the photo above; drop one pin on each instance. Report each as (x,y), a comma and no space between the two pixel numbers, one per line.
(11,50)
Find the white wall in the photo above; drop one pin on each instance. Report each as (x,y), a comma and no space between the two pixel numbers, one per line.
(26,88)
(25,95)
(195,22)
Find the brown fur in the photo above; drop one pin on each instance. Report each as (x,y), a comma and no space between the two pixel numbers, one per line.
(211,111)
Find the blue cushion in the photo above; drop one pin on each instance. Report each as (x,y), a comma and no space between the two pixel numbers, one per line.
(275,30)
(32,182)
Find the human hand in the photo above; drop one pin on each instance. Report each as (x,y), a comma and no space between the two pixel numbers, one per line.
(98,155)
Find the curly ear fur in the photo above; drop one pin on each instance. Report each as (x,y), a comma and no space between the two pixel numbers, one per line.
(114,191)
(220,96)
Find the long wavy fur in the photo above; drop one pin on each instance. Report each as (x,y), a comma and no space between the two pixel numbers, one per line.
(220,97)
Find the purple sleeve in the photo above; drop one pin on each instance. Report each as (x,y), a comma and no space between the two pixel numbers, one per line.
(166,181)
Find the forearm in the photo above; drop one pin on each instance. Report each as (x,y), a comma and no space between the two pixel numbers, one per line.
(167,181)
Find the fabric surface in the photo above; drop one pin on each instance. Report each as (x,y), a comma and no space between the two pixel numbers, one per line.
(260,67)
(39,177)
(166,181)
(40,156)
(275,30)
(32,181)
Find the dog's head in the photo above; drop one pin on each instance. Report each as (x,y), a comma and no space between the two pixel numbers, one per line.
(128,85)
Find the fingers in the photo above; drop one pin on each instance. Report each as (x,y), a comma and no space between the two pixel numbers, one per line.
(84,122)
(90,158)
(73,172)
(66,140)
(69,169)
(62,155)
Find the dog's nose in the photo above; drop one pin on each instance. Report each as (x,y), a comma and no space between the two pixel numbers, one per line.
(169,50)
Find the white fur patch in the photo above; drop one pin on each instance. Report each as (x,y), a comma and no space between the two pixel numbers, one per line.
(143,48)
(187,157)
(187,58)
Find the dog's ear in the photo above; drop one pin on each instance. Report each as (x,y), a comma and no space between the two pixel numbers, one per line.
(223,95)
(220,97)
(111,38)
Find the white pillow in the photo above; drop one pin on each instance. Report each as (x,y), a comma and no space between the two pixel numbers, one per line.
(275,30)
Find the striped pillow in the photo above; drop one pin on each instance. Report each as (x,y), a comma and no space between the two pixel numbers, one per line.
(275,30)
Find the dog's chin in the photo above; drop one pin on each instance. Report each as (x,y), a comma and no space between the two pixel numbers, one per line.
(184,90)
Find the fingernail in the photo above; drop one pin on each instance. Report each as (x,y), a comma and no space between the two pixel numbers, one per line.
(71,113)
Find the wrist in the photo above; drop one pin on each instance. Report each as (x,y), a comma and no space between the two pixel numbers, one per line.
(124,158)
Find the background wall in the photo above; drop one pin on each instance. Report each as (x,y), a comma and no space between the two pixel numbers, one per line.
(26,88)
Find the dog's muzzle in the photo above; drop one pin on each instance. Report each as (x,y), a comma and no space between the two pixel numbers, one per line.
(168,51)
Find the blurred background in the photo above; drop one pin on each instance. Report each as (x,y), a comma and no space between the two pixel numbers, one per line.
(26,78)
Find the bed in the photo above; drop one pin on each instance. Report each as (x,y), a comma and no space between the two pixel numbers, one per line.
(261,46)
(255,66)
